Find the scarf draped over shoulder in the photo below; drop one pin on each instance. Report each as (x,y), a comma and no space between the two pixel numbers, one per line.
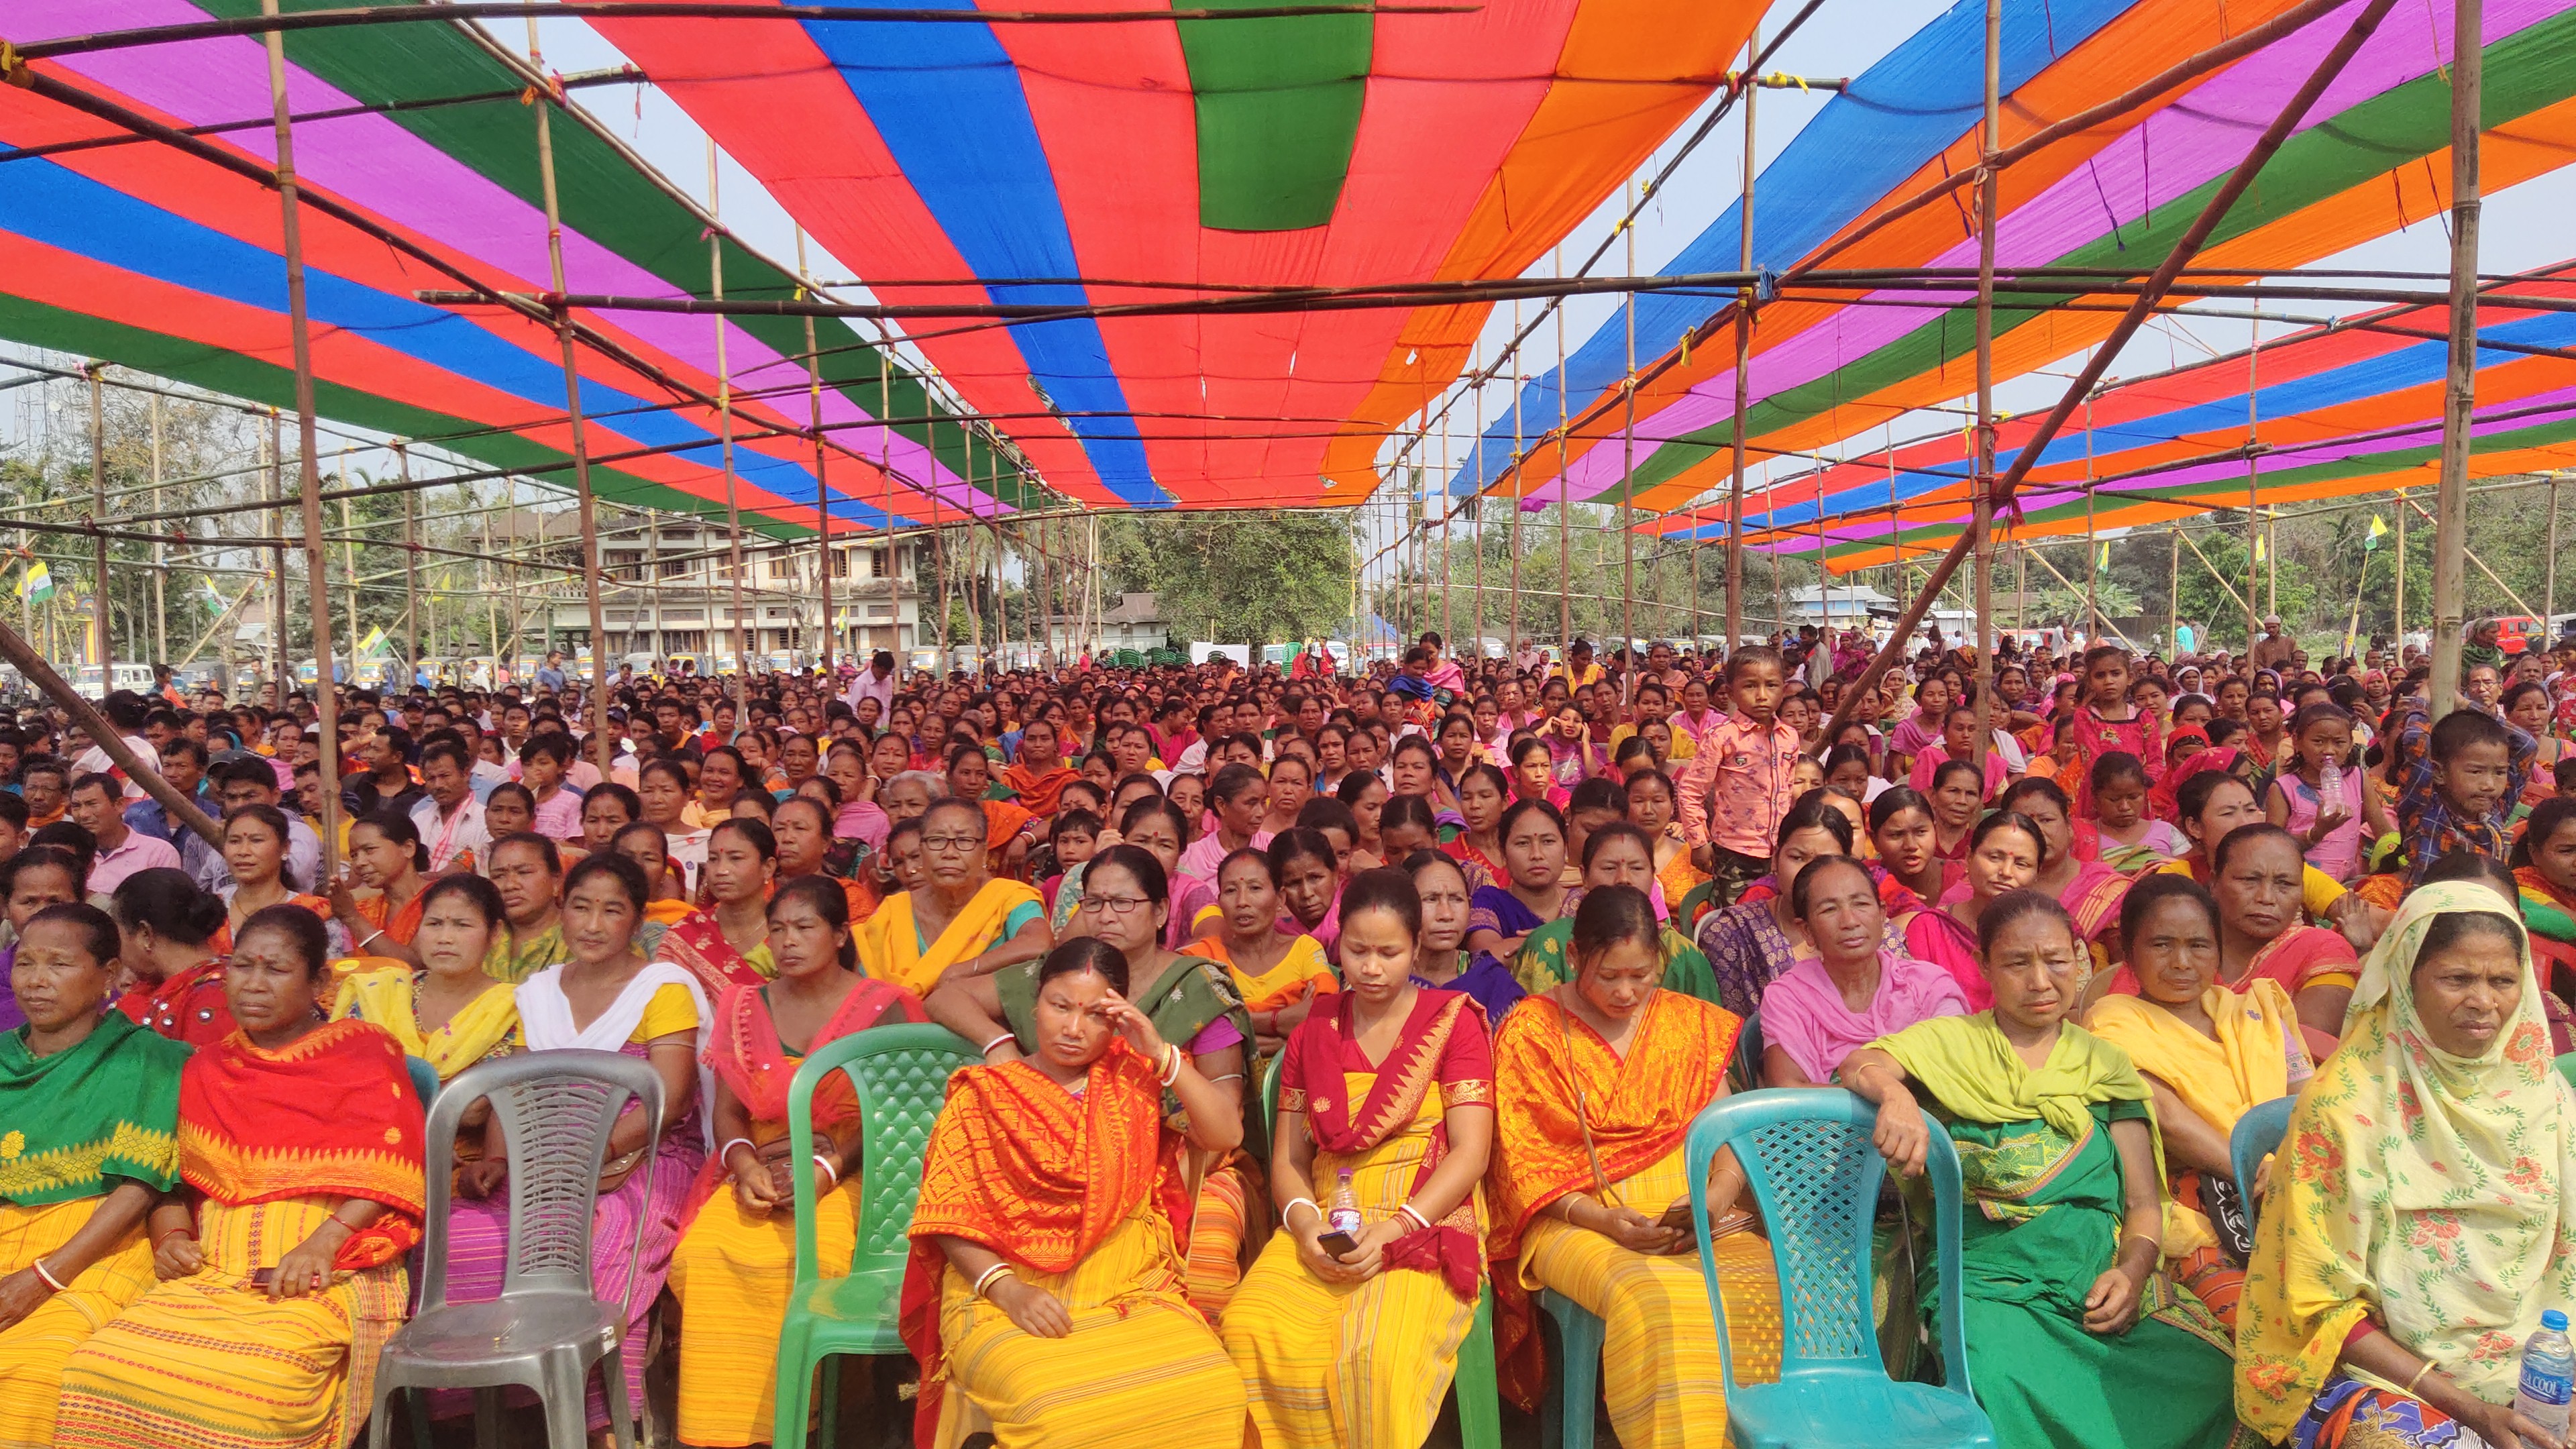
(106,1108)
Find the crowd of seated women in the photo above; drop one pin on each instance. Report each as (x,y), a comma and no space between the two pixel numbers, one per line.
(1489,961)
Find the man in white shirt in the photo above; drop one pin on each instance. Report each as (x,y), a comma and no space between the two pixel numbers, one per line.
(98,806)
(451,820)
(125,712)
(875,682)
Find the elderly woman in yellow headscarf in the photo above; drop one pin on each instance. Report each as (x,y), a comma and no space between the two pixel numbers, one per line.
(962,920)
(2210,1054)
(2419,1217)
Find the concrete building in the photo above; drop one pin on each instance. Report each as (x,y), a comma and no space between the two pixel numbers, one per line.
(670,591)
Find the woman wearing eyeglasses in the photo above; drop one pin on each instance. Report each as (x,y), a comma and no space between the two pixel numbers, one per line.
(1126,902)
(963,924)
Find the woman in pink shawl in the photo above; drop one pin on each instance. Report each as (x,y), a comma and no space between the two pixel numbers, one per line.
(1855,990)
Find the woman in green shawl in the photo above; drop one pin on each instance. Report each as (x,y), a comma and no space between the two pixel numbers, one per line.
(1126,901)
(1615,854)
(89,1117)
(2075,1336)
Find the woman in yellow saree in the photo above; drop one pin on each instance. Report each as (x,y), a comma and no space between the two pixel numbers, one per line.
(528,871)
(91,1106)
(737,1255)
(301,1143)
(2210,1055)
(447,1011)
(1387,1090)
(2420,1214)
(1597,1081)
(962,920)
(1043,1297)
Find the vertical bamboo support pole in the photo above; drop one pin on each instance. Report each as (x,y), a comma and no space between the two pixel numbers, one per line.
(1982,505)
(893,560)
(724,416)
(2549,569)
(2460,386)
(1564,495)
(1476,506)
(411,563)
(2092,549)
(1513,642)
(2402,511)
(1628,469)
(160,551)
(822,496)
(580,443)
(2253,482)
(1745,91)
(104,637)
(290,204)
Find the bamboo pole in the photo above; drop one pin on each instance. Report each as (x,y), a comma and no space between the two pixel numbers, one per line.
(1512,644)
(822,497)
(15,648)
(325,691)
(893,559)
(160,552)
(2401,577)
(724,413)
(105,636)
(2253,482)
(1982,500)
(2092,549)
(1564,503)
(588,504)
(277,559)
(2460,384)
(1743,379)
(1476,519)
(2549,572)
(1628,485)
(411,565)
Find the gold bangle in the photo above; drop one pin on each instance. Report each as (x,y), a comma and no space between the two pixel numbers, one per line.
(2427,1368)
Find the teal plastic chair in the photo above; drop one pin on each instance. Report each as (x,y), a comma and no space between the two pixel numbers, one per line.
(2254,1137)
(1808,1157)
(424,1080)
(901,1076)
(1744,1064)
(1480,1399)
(1565,1416)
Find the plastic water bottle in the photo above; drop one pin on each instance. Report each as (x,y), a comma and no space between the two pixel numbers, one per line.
(1345,1218)
(2329,786)
(2548,1373)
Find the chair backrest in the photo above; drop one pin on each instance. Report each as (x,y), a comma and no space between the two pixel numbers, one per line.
(1270,1096)
(2255,1135)
(556,1110)
(1807,1154)
(424,1080)
(1744,1064)
(2567,1068)
(900,1074)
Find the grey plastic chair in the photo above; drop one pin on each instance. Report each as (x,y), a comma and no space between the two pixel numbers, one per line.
(547,1330)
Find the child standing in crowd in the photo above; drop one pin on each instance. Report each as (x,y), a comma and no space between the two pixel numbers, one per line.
(2323,797)
(1737,787)
(2457,795)
(2108,721)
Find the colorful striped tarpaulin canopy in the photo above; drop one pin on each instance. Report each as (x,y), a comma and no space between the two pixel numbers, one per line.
(162,258)
(2371,156)
(1046,163)
(2354,407)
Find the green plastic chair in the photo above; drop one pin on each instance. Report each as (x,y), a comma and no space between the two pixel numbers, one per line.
(1815,1176)
(2567,1068)
(1480,1401)
(901,1076)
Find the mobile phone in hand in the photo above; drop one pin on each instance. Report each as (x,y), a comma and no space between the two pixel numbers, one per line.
(1338,1244)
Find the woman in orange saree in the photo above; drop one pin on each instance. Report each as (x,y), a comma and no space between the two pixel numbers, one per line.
(1040,774)
(1043,1297)
(302,1144)
(386,852)
(1597,1081)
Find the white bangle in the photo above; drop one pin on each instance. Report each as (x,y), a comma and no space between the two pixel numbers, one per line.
(369,939)
(1171,1064)
(50,1280)
(1415,1213)
(828,1168)
(997,1041)
(725,1152)
(1292,1202)
(985,1279)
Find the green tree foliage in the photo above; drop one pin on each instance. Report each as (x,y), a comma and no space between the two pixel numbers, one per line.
(1239,577)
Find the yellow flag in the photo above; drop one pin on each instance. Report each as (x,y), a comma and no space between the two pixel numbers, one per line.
(2258,548)
(2378,526)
